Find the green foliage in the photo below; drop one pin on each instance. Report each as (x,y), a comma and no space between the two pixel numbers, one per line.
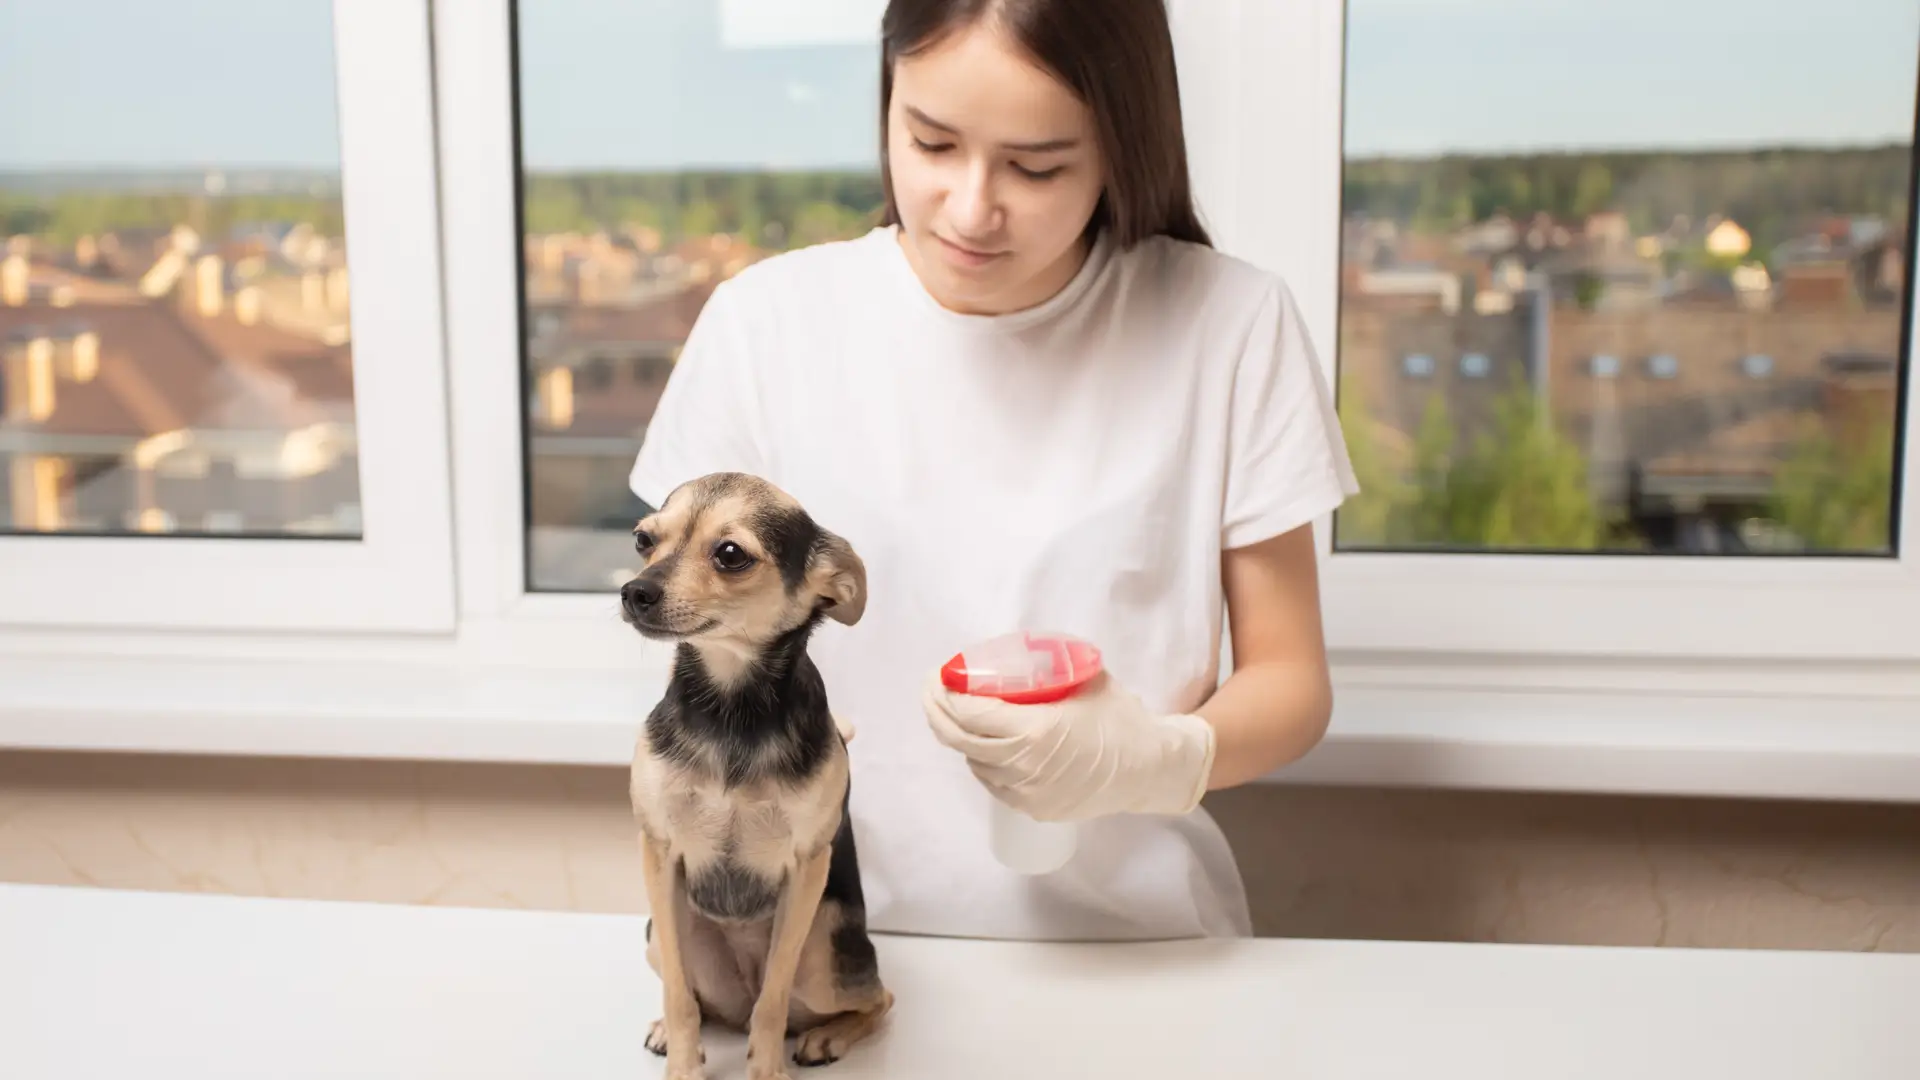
(1588,288)
(1429,518)
(1372,518)
(1836,495)
(1592,188)
(1522,485)
(1518,485)
(555,211)
(772,210)
(702,218)
(1700,259)
(1770,192)
(65,217)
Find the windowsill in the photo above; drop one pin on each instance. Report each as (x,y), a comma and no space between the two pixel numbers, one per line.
(1717,744)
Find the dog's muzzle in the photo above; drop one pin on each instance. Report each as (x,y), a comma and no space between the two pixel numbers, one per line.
(640,602)
(640,595)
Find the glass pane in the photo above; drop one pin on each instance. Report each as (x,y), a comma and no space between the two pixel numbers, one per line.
(748,128)
(1627,276)
(174,345)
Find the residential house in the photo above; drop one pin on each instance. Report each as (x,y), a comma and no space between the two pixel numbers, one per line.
(182,413)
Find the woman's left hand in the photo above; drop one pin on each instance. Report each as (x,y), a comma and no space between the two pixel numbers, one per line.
(1099,752)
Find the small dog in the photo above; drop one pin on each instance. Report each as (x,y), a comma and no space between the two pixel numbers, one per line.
(740,782)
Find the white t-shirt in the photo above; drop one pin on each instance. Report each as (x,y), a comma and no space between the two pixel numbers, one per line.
(1077,467)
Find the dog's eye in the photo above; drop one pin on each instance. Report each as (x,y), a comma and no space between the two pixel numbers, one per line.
(643,542)
(731,557)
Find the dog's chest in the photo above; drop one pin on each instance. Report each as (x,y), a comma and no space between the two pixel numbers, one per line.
(753,825)
(737,844)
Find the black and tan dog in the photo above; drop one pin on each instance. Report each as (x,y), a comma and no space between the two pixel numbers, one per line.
(740,781)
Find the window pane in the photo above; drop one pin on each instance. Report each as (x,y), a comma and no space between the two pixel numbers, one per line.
(174,345)
(1627,276)
(663,148)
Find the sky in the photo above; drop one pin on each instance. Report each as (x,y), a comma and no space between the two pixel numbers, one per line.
(792,83)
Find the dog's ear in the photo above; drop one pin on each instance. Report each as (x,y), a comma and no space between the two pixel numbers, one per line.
(838,577)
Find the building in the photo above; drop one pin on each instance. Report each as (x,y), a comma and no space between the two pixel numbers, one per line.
(169,403)
(1684,412)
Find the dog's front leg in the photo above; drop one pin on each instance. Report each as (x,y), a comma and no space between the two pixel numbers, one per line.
(682,1012)
(792,921)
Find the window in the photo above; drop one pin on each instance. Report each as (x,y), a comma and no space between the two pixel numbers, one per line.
(1663,218)
(632,216)
(181,355)
(162,324)
(1630,243)
(564,182)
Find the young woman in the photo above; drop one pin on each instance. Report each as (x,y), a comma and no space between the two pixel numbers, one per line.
(1036,398)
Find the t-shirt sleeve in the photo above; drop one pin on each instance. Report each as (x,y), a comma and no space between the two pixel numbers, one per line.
(708,416)
(1287,461)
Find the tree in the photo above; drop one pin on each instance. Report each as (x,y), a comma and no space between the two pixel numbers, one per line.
(821,221)
(1837,494)
(1428,517)
(1593,190)
(554,208)
(1769,191)
(1521,484)
(1588,288)
(630,211)
(700,218)
(1370,518)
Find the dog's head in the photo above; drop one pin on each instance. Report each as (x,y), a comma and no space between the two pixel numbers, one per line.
(732,560)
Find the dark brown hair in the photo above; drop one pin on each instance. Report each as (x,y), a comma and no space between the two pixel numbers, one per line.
(1117,57)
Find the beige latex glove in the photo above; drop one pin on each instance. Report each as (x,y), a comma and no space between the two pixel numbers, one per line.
(1099,752)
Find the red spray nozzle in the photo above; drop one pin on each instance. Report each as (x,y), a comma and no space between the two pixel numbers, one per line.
(1023,668)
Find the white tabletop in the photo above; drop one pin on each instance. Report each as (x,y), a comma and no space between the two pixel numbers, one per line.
(97,984)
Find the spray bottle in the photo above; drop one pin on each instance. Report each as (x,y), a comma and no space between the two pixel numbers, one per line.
(1025,668)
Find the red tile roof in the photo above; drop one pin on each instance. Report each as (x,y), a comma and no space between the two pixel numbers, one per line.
(161,370)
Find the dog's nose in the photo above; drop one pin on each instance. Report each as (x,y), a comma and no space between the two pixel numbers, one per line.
(640,593)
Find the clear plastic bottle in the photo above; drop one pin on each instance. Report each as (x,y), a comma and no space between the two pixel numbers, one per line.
(1025,668)
(1026,846)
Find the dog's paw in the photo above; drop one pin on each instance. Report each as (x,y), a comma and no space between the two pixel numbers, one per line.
(820,1046)
(657,1040)
(761,1066)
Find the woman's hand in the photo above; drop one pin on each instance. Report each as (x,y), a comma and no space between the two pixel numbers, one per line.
(1096,753)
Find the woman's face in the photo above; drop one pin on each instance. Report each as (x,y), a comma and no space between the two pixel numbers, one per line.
(995,173)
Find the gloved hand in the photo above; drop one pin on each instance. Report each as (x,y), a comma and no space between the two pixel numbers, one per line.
(1099,752)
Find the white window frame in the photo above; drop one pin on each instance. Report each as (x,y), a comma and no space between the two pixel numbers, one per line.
(501,615)
(1278,205)
(398,576)
(1489,672)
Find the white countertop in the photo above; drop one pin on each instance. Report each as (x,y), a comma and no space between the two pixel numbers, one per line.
(97,984)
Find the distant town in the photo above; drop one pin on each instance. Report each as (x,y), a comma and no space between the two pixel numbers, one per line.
(1656,352)
(1685,354)
(175,356)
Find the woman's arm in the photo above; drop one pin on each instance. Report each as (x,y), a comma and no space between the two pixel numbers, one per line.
(1276,704)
